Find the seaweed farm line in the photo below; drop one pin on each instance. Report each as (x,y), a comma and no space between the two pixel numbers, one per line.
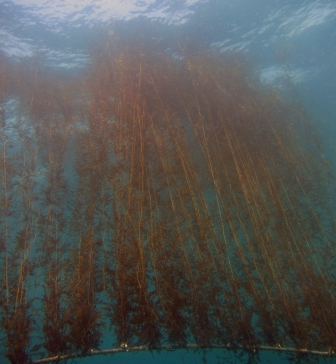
(162,200)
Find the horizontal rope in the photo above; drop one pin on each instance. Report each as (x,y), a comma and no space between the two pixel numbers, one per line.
(125,348)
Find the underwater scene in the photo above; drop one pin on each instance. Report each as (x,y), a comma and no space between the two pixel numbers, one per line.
(167,181)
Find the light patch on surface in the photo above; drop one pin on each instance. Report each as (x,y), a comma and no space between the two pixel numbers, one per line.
(272,75)
(14,46)
(241,46)
(100,10)
(304,18)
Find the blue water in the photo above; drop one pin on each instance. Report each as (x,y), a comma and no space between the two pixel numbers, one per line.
(284,37)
